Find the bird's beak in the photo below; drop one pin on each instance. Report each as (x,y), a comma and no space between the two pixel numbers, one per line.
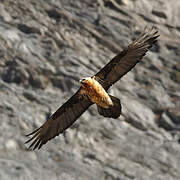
(80,81)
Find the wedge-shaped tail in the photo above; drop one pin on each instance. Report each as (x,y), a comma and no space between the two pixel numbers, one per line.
(113,111)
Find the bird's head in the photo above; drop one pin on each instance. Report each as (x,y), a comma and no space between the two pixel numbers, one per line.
(84,80)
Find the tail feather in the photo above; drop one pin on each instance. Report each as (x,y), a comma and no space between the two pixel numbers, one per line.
(113,111)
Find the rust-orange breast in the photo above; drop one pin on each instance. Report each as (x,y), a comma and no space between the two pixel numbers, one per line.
(96,93)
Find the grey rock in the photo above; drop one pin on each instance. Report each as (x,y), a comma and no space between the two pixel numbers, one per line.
(46,47)
(5,16)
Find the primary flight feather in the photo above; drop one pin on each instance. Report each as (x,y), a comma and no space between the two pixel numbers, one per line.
(94,90)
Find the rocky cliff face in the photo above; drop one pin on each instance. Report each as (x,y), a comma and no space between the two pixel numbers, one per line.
(46,47)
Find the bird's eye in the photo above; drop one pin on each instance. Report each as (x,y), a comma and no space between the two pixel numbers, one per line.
(82,80)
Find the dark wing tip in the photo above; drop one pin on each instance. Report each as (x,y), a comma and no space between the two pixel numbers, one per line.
(37,140)
(150,35)
(145,40)
(33,132)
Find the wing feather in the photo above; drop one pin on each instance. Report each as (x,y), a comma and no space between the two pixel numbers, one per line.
(63,118)
(128,58)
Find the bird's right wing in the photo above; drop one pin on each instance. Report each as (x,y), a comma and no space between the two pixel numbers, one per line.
(63,118)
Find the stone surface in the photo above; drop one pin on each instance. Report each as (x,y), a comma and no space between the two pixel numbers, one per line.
(46,47)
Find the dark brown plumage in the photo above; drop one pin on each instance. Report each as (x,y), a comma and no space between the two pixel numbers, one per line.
(70,111)
(128,58)
(63,118)
(113,111)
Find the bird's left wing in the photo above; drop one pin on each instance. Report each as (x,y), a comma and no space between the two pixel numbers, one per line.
(127,59)
(63,118)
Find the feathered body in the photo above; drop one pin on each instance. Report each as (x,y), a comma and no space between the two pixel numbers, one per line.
(94,90)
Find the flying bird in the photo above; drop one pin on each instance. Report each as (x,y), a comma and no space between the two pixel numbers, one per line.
(93,90)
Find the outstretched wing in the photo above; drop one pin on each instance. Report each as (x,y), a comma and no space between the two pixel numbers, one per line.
(63,118)
(127,59)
